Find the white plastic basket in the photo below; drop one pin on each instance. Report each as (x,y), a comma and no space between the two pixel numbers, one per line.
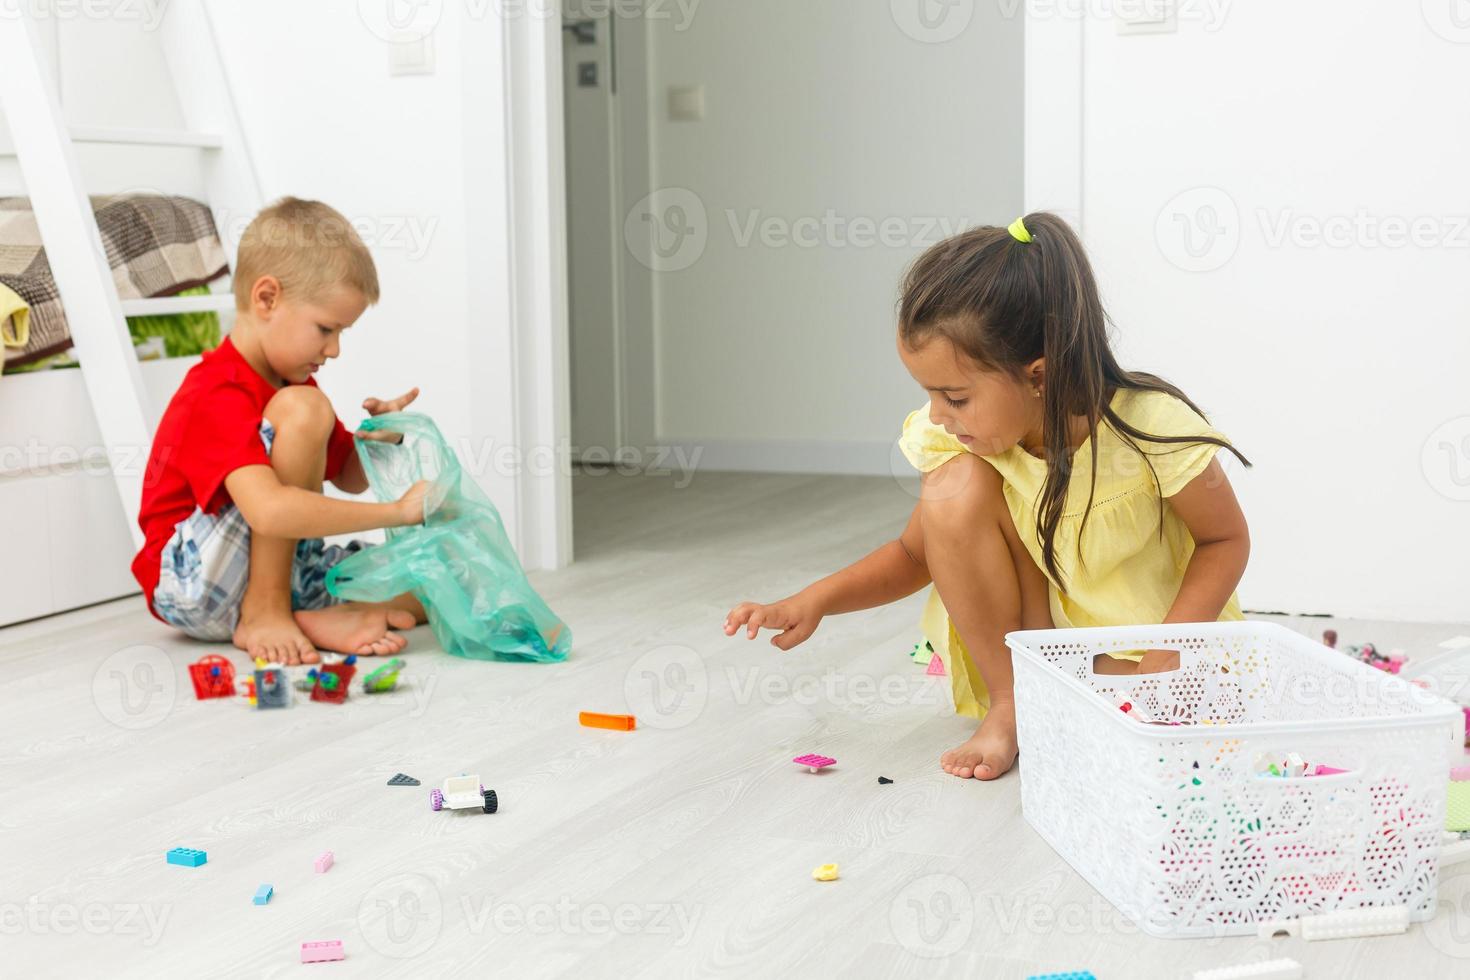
(1173,825)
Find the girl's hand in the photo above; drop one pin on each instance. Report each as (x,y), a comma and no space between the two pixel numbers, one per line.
(797,618)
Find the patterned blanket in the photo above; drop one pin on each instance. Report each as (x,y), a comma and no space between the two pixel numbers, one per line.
(156,246)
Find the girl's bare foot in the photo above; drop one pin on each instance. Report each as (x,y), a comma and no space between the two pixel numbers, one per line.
(274,637)
(991,751)
(364,630)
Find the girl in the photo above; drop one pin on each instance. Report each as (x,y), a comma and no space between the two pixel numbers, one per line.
(1058,489)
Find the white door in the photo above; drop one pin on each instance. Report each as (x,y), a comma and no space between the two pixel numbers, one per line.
(592,230)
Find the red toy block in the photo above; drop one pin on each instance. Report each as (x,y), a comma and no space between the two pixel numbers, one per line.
(332,681)
(213,677)
(617,723)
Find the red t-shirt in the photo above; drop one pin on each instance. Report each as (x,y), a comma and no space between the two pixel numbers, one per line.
(210,429)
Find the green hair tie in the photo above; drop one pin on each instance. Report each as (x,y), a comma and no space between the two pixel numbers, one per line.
(1018,231)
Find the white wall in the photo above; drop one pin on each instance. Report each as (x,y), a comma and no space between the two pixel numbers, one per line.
(775,355)
(1330,366)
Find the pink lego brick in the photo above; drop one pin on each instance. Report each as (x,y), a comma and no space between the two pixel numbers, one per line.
(1460,774)
(814,762)
(323,862)
(322,952)
(936,667)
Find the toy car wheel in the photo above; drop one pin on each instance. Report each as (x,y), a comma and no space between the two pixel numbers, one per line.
(436,799)
(492,802)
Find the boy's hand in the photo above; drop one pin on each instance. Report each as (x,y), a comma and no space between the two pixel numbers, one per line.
(797,618)
(411,504)
(376,406)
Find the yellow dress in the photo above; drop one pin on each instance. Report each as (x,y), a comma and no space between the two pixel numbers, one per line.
(1128,574)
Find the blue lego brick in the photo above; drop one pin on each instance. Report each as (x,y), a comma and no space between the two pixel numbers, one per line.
(1074,975)
(263,894)
(187,856)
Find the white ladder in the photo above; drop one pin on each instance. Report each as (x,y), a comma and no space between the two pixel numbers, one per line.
(45,148)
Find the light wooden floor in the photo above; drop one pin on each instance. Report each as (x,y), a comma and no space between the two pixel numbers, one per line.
(682,849)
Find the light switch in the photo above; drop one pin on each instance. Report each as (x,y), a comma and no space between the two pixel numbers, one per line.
(1146,16)
(411,54)
(686,103)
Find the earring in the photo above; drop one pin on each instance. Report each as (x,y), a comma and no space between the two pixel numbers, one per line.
(1036,391)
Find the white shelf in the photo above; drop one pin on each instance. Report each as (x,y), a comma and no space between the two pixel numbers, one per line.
(145,137)
(212,303)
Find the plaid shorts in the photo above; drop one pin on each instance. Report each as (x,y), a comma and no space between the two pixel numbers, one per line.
(206,565)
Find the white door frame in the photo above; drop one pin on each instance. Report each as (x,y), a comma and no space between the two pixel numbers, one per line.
(537,232)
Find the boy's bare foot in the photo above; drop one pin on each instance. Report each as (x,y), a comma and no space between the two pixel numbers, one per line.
(274,637)
(991,751)
(364,630)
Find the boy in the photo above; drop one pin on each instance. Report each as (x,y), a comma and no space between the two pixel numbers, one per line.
(233,512)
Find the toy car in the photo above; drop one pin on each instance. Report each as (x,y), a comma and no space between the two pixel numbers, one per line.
(463,792)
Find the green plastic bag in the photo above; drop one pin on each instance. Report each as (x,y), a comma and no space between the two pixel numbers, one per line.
(458,563)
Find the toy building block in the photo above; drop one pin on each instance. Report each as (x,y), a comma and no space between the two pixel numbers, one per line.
(814,763)
(323,862)
(936,666)
(271,689)
(921,651)
(263,894)
(1457,806)
(1074,975)
(1344,924)
(186,856)
(884,780)
(617,723)
(384,678)
(402,780)
(213,677)
(322,952)
(463,792)
(1282,969)
(332,681)
(825,872)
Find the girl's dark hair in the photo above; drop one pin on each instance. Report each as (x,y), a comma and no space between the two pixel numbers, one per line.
(1004,303)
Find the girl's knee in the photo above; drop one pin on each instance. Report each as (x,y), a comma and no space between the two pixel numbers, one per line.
(960,493)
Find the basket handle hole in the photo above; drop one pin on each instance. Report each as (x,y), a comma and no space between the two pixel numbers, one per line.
(1156,660)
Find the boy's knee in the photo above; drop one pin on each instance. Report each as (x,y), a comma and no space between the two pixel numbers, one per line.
(960,493)
(300,408)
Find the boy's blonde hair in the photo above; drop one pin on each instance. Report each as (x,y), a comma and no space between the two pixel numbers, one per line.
(309,247)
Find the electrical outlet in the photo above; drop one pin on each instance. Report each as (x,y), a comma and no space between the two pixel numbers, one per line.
(411,54)
(1146,16)
(686,103)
